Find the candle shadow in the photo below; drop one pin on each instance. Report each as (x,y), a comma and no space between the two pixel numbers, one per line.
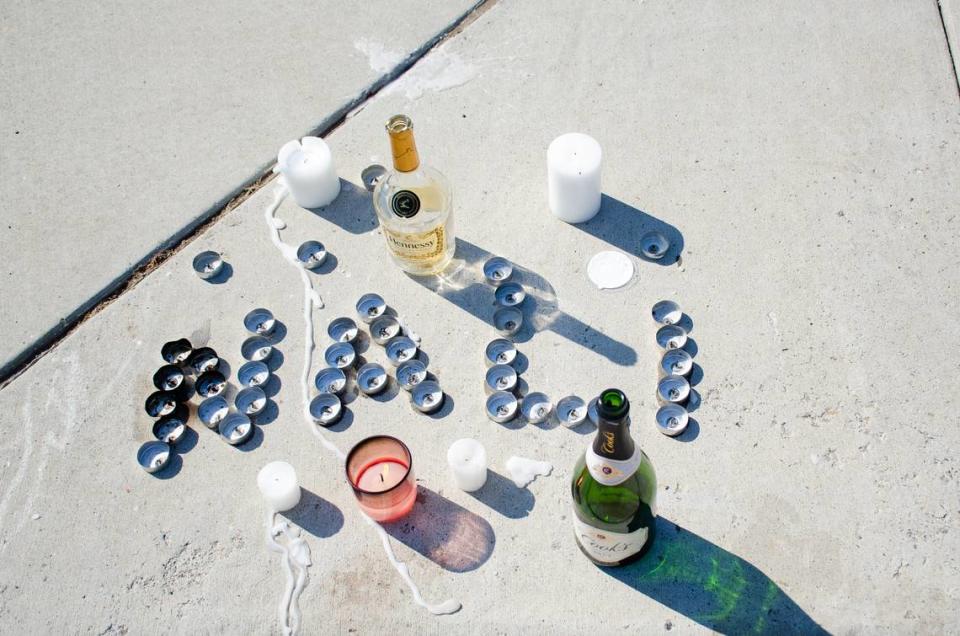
(463,284)
(275,361)
(711,586)
(352,210)
(502,495)
(345,421)
(691,433)
(223,276)
(444,410)
(268,415)
(444,532)
(252,444)
(622,226)
(272,386)
(188,440)
(316,515)
(172,469)
(278,334)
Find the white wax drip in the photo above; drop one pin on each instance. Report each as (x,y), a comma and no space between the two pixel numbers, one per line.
(296,556)
(523,471)
(312,299)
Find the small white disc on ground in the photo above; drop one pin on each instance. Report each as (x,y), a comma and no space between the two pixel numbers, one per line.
(610,270)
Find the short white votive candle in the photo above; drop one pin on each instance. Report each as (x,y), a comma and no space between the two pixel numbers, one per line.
(279,486)
(468,463)
(307,166)
(573,177)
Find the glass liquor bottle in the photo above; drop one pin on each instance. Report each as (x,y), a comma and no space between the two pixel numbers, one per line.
(415,206)
(614,489)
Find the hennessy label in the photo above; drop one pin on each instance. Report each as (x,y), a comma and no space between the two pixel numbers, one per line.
(416,247)
(609,547)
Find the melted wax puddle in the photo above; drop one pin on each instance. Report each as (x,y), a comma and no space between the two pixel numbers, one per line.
(296,556)
(310,299)
(523,471)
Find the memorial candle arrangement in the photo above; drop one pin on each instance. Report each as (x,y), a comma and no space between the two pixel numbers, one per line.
(380,471)
(573,177)
(307,166)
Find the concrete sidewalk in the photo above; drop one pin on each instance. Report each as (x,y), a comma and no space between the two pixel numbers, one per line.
(123,127)
(809,158)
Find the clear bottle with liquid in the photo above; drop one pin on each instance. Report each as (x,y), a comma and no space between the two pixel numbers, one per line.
(614,489)
(415,206)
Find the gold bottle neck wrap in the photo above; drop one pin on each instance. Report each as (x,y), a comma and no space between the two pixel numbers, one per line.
(402,144)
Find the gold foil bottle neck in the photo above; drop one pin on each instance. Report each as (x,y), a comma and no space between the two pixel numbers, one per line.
(402,144)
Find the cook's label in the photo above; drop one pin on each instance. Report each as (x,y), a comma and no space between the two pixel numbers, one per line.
(611,472)
(405,204)
(609,547)
(417,247)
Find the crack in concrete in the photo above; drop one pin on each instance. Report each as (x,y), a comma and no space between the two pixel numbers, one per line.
(950,46)
(207,219)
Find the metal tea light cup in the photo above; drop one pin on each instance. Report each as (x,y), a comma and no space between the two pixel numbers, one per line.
(507,320)
(202,360)
(427,397)
(411,373)
(675,362)
(671,337)
(383,329)
(212,411)
(400,349)
(236,428)
(497,270)
(260,321)
(326,409)
(311,254)
(169,377)
(499,351)
(510,294)
(256,348)
(501,406)
(673,389)
(210,384)
(500,377)
(176,351)
(372,378)
(331,380)
(370,307)
(672,419)
(253,373)
(371,175)
(536,407)
(153,456)
(572,411)
(160,403)
(342,330)
(207,264)
(171,428)
(251,401)
(654,245)
(666,312)
(340,355)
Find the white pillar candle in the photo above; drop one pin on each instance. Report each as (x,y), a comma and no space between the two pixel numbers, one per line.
(307,166)
(279,486)
(468,463)
(573,177)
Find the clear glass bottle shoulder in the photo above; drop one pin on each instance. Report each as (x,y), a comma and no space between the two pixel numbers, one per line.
(432,190)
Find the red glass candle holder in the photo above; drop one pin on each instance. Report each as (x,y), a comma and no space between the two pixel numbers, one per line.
(380,471)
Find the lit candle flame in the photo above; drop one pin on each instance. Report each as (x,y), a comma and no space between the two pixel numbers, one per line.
(383,473)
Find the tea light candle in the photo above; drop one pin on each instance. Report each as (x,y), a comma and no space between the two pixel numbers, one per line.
(278,484)
(573,177)
(468,463)
(380,470)
(307,166)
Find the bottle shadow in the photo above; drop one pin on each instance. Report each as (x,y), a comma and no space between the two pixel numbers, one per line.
(352,210)
(622,226)
(316,515)
(502,495)
(712,586)
(463,284)
(446,533)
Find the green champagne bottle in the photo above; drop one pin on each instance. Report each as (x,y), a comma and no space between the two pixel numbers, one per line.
(614,489)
